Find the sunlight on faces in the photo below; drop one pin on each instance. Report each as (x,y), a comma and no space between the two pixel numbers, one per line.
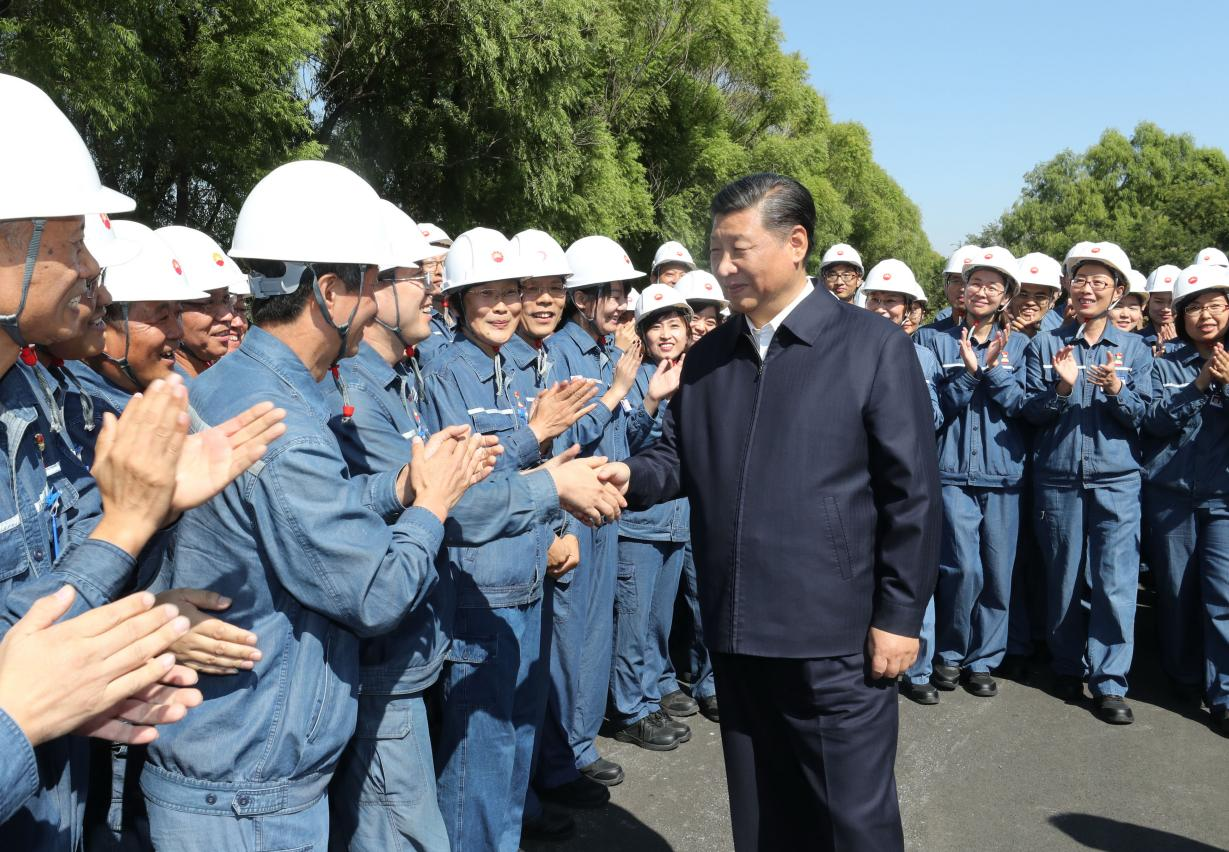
(985,293)
(206,324)
(913,317)
(893,306)
(404,290)
(1128,314)
(757,268)
(92,340)
(154,332)
(238,324)
(1206,315)
(342,302)
(842,279)
(542,302)
(491,310)
(953,289)
(604,304)
(704,320)
(670,273)
(666,336)
(1161,308)
(1031,303)
(52,311)
(1093,291)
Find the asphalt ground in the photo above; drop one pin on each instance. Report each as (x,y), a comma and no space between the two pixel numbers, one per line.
(1023,770)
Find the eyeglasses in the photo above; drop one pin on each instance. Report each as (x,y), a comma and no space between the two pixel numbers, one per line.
(843,277)
(992,289)
(875,301)
(1099,284)
(1214,309)
(535,291)
(1036,298)
(223,303)
(424,281)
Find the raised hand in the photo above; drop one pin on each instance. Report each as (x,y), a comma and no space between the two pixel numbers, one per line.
(55,678)
(967,355)
(995,348)
(558,407)
(625,370)
(441,469)
(1105,376)
(211,646)
(1066,368)
(617,474)
(213,458)
(1220,364)
(664,381)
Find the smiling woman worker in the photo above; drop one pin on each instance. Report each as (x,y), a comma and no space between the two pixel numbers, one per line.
(1187,492)
(207,322)
(1089,384)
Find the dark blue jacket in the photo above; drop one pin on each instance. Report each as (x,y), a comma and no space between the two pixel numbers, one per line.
(813,479)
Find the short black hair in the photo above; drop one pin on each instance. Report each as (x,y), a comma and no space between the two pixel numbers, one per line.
(1179,309)
(281,309)
(784,203)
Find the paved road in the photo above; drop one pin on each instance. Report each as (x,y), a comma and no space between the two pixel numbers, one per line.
(1020,771)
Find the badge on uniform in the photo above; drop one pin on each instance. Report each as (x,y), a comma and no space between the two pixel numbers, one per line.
(1118,360)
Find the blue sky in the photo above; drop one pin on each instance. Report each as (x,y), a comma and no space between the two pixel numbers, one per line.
(962,98)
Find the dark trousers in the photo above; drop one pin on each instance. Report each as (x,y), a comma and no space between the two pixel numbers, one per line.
(810,751)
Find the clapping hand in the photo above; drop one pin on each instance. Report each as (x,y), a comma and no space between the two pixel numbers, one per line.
(1105,376)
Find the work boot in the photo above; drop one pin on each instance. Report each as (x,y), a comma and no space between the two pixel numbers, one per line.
(650,733)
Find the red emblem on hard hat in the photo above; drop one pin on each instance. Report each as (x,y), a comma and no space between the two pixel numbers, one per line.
(988,256)
(541,255)
(106,220)
(627,260)
(425,232)
(679,253)
(178,268)
(1168,278)
(840,253)
(1192,279)
(708,286)
(657,297)
(1034,270)
(497,256)
(1207,257)
(887,276)
(967,261)
(1096,249)
(217,258)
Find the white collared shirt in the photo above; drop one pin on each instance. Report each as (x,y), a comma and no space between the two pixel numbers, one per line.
(763,336)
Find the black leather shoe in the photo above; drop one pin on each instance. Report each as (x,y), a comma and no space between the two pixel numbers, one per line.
(708,708)
(1068,687)
(980,684)
(920,693)
(551,825)
(681,730)
(651,732)
(581,793)
(1113,709)
(1014,667)
(603,771)
(1220,720)
(679,703)
(944,677)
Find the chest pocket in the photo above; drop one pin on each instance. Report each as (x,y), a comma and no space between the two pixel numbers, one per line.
(494,421)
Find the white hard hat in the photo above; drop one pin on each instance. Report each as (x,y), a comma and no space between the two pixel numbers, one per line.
(961,256)
(304,212)
(154,275)
(893,276)
(1198,278)
(540,254)
(1000,260)
(1106,254)
(673,252)
(104,245)
(406,245)
(633,296)
(1137,284)
(206,265)
(1041,270)
(700,287)
(1211,257)
(478,256)
(657,298)
(842,253)
(45,169)
(1162,278)
(598,260)
(435,235)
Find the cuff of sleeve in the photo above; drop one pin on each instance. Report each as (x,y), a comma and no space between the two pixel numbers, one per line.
(968,380)
(545,498)
(900,620)
(1190,397)
(382,491)
(601,416)
(997,376)
(1057,402)
(425,521)
(523,445)
(18,752)
(105,570)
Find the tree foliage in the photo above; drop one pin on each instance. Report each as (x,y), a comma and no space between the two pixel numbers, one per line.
(620,117)
(1158,195)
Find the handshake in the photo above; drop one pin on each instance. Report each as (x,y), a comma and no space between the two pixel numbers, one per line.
(590,489)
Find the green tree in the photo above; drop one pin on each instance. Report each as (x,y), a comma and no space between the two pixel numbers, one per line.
(1158,195)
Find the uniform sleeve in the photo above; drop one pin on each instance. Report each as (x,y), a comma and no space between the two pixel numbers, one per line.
(370,441)
(1171,408)
(1006,387)
(501,508)
(1129,405)
(588,430)
(905,486)
(656,475)
(932,372)
(98,570)
(327,538)
(642,427)
(18,769)
(1042,404)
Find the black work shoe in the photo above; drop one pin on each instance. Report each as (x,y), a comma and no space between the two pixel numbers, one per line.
(980,684)
(944,677)
(581,793)
(1220,720)
(1068,687)
(679,728)
(1014,667)
(603,771)
(679,703)
(708,708)
(651,732)
(920,693)
(550,825)
(1113,709)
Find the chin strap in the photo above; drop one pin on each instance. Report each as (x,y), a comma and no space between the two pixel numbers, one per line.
(343,331)
(122,363)
(501,381)
(540,360)
(30,358)
(11,322)
(347,410)
(411,358)
(87,401)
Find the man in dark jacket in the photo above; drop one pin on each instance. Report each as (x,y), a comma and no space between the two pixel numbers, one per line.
(802,435)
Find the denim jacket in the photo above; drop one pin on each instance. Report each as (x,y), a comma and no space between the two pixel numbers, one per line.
(462,388)
(669,521)
(1087,436)
(1148,333)
(433,346)
(386,418)
(313,558)
(1187,430)
(601,432)
(932,372)
(18,771)
(983,442)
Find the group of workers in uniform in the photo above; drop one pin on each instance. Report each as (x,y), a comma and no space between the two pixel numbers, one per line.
(375,576)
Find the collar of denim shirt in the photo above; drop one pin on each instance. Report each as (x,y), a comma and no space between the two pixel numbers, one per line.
(583,338)
(371,364)
(279,359)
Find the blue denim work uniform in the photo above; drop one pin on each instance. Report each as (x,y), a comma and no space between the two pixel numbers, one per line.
(49,507)
(652,547)
(384,795)
(494,685)
(982,450)
(441,336)
(942,322)
(1186,506)
(98,386)
(313,559)
(1149,336)
(1086,469)
(584,600)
